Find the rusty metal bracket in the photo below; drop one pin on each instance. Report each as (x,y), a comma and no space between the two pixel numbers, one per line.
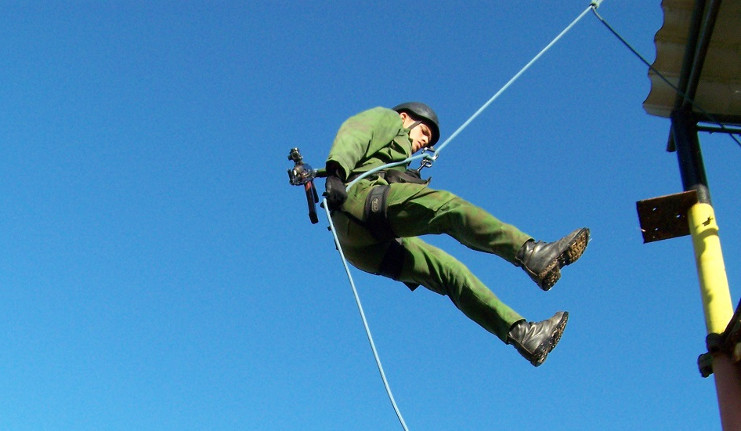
(665,217)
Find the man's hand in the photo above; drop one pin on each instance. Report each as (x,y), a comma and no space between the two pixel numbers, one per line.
(335,192)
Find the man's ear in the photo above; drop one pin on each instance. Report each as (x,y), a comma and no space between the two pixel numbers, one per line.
(404,117)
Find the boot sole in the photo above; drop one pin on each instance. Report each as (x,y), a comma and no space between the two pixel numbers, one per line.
(547,347)
(576,248)
(570,255)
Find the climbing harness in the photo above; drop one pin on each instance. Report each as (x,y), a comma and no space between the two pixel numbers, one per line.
(303,174)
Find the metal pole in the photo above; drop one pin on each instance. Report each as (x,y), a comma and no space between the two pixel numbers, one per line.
(716,296)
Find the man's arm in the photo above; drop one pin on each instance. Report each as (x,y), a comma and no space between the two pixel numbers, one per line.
(359,137)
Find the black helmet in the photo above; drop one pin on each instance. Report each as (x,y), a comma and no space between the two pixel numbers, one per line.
(422,112)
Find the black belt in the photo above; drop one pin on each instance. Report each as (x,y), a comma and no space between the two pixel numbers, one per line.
(392,176)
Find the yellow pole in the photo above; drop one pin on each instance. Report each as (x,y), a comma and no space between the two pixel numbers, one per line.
(711,270)
(716,300)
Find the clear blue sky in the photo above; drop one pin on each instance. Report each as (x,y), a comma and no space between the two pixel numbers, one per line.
(157,271)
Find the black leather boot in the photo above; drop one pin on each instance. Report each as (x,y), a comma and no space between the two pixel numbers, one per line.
(543,260)
(535,340)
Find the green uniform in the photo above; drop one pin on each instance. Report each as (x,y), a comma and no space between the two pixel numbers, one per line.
(376,137)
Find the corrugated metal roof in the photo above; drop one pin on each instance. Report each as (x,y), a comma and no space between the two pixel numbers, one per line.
(680,52)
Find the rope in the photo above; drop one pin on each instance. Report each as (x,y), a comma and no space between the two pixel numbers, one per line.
(445,143)
(593,4)
(362,315)
(664,79)
(514,78)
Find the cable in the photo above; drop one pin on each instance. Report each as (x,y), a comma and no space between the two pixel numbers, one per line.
(593,7)
(594,4)
(432,158)
(362,315)
(663,78)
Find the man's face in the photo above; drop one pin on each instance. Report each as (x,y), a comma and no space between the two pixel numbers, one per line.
(420,134)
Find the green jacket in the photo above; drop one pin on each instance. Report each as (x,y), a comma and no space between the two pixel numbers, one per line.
(371,139)
(365,141)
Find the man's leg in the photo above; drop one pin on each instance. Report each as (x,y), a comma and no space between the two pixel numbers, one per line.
(415,210)
(442,273)
(414,262)
(421,263)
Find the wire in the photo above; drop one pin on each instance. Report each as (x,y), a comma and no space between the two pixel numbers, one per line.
(593,7)
(445,143)
(514,78)
(666,81)
(432,158)
(362,315)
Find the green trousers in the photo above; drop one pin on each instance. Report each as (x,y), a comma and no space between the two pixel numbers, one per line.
(414,210)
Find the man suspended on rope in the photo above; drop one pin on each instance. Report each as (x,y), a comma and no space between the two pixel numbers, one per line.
(379,221)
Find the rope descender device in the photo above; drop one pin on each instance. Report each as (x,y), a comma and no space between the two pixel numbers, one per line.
(303,175)
(427,160)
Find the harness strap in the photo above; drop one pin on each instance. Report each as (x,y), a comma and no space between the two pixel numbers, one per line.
(394,176)
(376,215)
(393,262)
(377,222)
(379,174)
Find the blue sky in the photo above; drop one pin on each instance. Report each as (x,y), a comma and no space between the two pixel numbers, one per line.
(157,271)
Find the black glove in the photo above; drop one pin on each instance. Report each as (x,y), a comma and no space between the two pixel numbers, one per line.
(335,190)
